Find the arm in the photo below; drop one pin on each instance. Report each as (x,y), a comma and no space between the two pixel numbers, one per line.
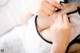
(60,48)
(61,35)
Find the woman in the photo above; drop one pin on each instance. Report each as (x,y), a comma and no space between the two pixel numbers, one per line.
(69,8)
(27,39)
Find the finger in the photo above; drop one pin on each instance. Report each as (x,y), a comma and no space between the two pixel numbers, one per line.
(60,18)
(51,7)
(54,3)
(64,9)
(66,20)
(42,14)
(47,10)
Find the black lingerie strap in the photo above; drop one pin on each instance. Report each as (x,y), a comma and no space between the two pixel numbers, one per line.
(78,10)
(39,33)
(66,1)
(76,40)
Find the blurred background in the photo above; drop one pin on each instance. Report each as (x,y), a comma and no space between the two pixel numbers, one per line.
(15,12)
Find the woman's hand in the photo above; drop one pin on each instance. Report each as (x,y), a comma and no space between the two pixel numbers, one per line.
(60,29)
(48,7)
(44,23)
(58,33)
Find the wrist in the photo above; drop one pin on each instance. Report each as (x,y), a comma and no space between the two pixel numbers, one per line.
(58,48)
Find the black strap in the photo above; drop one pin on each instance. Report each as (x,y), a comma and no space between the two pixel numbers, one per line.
(39,33)
(76,40)
(66,1)
(79,10)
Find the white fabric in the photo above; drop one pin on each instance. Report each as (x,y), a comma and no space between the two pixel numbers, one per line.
(24,39)
(14,12)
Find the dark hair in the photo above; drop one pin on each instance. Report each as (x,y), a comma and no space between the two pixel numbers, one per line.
(66,1)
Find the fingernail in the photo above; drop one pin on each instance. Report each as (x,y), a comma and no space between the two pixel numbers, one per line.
(55,8)
(58,10)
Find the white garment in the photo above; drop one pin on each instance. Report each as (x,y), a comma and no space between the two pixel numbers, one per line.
(24,39)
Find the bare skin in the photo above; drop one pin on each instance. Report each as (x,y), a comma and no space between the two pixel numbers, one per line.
(59,34)
(55,26)
(47,8)
(44,23)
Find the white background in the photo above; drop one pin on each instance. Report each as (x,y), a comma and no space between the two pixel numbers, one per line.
(15,12)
